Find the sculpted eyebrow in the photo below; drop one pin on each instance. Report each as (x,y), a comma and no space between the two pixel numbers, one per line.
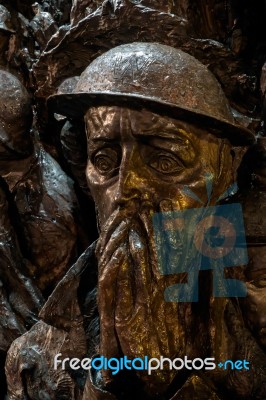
(161,136)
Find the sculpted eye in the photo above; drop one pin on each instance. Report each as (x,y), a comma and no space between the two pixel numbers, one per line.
(260,282)
(166,164)
(105,161)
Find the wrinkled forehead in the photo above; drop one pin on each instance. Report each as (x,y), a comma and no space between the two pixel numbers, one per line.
(110,120)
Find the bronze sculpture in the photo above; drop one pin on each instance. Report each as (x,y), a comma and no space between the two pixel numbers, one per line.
(43,203)
(43,25)
(156,121)
(4,17)
(38,207)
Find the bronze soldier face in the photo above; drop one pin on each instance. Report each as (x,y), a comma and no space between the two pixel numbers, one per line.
(138,164)
(142,155)
(141,163)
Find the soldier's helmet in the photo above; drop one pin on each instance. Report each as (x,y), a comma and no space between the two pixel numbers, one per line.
(15,115)
(157,77)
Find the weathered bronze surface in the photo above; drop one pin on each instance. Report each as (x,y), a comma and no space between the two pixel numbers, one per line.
(38,212)
(127,73)
(144,146)
(146,126)
(42,25)
(4,18)
(43,194)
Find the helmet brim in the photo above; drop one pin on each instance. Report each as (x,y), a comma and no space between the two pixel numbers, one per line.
(75,105)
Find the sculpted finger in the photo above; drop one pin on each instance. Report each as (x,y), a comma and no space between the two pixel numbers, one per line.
(106,304)
(105,253)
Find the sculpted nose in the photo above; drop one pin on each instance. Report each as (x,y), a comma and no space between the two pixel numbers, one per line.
(128,188)
(132,183)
